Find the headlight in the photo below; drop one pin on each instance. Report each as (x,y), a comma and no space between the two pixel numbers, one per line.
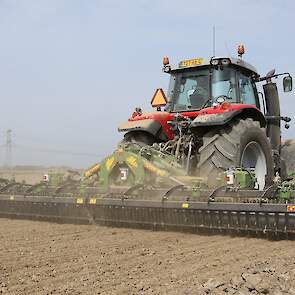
(220,61)
(225,61)
(214,62)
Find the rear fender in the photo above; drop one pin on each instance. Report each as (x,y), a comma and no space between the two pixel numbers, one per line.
(204,122)
(150,126)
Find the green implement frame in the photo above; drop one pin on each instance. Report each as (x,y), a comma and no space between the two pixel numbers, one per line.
(133,164)
(140,186)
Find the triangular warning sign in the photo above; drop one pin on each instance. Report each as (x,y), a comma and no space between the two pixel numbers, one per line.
(159,99)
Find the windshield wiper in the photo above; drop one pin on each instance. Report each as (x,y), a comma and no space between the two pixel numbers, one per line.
(206,102)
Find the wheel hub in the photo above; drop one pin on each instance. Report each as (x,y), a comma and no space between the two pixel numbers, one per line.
(253,158)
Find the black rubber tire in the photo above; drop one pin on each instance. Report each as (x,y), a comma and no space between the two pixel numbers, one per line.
(283,170)
(288,155)
(223,148)
(140,137)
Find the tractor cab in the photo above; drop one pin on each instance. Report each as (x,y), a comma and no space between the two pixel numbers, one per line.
(196,84)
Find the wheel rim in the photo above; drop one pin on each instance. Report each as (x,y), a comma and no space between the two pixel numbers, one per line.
(253,158)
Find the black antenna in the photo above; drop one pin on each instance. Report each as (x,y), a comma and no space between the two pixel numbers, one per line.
(213,40)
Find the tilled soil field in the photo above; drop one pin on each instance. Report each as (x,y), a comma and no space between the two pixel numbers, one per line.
(47,258)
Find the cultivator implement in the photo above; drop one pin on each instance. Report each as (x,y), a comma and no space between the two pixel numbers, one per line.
(138,187)
(262,219)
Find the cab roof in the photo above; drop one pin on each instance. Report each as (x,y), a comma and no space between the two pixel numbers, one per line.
(201,62)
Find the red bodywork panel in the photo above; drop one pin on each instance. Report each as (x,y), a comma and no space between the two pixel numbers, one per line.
(164,117)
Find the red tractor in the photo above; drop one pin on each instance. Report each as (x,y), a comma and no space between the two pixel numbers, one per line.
(215,119)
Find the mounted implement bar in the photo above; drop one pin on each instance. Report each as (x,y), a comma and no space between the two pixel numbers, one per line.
(268,220)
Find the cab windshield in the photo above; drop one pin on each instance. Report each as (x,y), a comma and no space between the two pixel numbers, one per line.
(200,88)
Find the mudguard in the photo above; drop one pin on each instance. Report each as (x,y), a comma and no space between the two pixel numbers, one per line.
(218,119)
(147,125)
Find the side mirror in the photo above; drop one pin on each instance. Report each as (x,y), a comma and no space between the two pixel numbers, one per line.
(287,83)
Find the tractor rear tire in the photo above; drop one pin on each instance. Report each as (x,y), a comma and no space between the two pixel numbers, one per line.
(288,155)
(241,143)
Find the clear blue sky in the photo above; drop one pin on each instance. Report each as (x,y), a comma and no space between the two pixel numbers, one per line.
(72,70)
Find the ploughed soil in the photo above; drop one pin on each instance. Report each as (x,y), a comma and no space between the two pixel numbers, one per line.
(47,258)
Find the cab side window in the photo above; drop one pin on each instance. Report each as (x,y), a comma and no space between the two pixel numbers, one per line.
(247,94)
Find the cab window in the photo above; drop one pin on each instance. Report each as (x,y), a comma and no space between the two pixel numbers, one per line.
(247,94)
(191,90)
(224,84)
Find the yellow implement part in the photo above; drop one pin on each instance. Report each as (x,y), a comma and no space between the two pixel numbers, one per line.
(109,163)
(94,169)
(152,168)
(79,201)
(185,205)
(92,201)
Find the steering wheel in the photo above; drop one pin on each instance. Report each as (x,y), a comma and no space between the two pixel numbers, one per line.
(221,98)
(216,99)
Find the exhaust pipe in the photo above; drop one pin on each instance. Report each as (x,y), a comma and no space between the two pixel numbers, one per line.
(273,115)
